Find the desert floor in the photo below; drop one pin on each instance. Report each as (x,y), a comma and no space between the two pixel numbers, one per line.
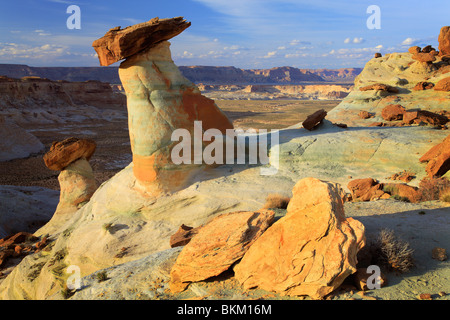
(113,144)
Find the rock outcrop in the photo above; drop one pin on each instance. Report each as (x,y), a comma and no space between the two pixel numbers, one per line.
(310,251)
(39,100)
(444,41)
(160,100)
(438,159)
(217,246)
(418,78)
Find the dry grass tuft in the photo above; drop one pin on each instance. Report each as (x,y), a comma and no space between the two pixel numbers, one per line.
(276,201)
(390,252)
(444,196)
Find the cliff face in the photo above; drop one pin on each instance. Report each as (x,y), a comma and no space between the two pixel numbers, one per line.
(196,74)
(33,99)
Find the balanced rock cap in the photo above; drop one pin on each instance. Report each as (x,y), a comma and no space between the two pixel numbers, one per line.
(65,152)
(118,44)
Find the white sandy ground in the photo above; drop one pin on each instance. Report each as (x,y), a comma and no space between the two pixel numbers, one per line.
(147,278)
(144,225)
(25,208)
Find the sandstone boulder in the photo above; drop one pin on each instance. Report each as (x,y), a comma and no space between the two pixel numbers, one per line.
(403,191)
(378,55)
(444,41)
(423,85)
(364,114)
(439,166)
(393,112)
(424,116)
(436,150)
(118,44)
(414,50)
(310,251)
(314,119)
(428,57)
(428,49)
(443,85)
(218,245)
(365,189)
(65,152)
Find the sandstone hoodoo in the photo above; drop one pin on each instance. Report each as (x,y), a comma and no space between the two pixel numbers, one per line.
(76,179)
(311,250)
(159,100)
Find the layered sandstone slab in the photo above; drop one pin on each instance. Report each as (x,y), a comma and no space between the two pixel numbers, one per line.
(310,251)
(118,44)
(63,153)
(218,245)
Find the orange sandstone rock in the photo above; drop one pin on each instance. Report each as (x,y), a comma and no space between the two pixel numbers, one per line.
(314,119)
(444,41)
(65,152)
(310,251)
(218,244)
(443,85)
(118,44)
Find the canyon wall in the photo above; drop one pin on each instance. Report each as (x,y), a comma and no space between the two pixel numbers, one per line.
(196,74)
(40,100)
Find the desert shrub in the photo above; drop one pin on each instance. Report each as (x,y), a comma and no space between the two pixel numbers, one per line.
(102,276)
(276,201)
(432,188)
(391,253)
(445,195)
(399,198)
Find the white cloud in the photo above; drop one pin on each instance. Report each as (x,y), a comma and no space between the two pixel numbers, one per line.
(270,54)
(355,40)
(408,41)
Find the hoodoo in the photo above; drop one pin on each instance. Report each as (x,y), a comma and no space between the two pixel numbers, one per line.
(159,100)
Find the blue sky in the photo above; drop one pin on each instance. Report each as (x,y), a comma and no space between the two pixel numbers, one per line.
(249,34)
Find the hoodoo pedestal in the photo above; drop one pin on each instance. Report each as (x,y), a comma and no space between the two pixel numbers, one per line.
(159,101)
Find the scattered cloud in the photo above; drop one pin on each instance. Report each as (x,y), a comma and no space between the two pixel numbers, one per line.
(408,42)
(355,40)
(270,54)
